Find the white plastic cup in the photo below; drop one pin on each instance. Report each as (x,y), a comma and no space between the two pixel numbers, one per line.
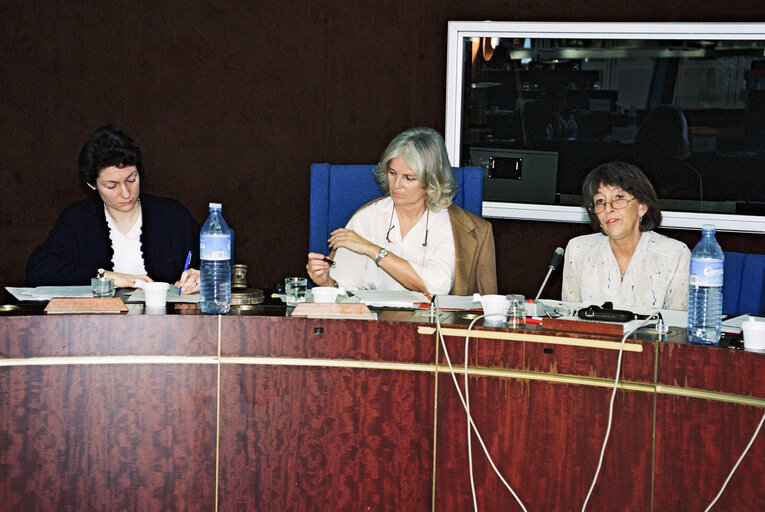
(155,294)
(754,334)
(494,306)
(326,294)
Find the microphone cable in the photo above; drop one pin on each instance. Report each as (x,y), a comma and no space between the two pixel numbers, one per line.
(652,316)
(466,406)
(735,466)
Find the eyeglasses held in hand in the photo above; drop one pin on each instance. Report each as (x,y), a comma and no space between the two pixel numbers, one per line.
(616,204)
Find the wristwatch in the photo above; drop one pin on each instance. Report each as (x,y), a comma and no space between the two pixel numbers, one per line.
(380,255)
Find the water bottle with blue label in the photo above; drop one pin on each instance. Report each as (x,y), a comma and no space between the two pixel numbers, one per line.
(705,289)
(215,270)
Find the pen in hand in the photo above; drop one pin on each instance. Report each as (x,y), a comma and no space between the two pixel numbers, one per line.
(331,263)
(185,268)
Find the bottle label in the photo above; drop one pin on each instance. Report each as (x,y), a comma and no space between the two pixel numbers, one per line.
(215,247)
(706,272)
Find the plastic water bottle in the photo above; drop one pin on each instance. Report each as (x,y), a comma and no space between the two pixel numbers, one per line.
(705,291)
(215,271)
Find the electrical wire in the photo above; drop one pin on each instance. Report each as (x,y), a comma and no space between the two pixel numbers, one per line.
(467,410)
(465,406)
(651,316)
(735,466)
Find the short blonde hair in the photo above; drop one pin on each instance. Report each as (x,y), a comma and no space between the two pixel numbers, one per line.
(423,150)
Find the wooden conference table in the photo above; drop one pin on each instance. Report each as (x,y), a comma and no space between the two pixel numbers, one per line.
(261,412)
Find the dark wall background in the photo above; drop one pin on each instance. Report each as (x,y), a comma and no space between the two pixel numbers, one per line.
(233,102)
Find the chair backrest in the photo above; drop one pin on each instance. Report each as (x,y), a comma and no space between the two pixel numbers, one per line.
(337,191)
(744,284)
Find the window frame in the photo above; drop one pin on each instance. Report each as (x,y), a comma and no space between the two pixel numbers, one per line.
(459,30)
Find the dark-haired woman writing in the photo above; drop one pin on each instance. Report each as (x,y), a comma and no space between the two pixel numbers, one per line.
(137,237)
(627,263)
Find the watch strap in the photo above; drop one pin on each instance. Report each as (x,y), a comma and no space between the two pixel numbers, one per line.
(380,255)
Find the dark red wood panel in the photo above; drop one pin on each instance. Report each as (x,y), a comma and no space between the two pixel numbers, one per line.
(697,443)
(89,335)
(545,438)
(712,369)
(107,437)
(322,338)
(553,358)
(306,438)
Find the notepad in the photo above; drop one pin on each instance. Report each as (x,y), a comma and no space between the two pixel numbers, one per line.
(356,311)
(60,305)
(391,298)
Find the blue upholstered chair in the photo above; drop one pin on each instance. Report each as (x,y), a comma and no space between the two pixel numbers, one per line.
(337,191)
(744,285)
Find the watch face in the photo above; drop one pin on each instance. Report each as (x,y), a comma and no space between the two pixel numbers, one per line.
(381,254)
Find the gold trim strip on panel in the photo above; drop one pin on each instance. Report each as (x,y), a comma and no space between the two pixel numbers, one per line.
(329,363)
(72,360)
(553,377)
(377,365)
(534,338)
(710,395)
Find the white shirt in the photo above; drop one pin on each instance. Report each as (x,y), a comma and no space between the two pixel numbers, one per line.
(657,275)
(128,256)
(434,263)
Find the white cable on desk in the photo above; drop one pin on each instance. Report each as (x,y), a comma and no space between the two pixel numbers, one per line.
(467,410)
(652,316)
(735,466)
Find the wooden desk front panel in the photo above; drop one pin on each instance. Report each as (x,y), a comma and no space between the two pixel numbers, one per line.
(712,369)
(328,413)
(113,335)
(323,438)
(545,439)
(107,437)
(697,444)
(359,340)
(553,358)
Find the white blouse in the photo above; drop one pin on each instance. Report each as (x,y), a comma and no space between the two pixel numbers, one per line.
(657,275)
(435,263)
(128,256)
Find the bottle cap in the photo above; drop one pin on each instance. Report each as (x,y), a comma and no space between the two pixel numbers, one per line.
(216,206)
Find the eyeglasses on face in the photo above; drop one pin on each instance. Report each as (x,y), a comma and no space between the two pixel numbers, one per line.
(616,204)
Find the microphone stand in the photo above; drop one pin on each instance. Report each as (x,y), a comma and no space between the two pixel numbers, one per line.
(549,272)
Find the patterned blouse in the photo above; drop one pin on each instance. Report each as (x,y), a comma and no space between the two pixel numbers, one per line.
(657,275)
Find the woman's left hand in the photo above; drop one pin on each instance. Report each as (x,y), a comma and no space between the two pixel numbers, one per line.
(189,281)
(352,241)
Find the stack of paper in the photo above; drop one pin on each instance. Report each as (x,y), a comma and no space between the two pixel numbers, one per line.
(404,299)
(48,292)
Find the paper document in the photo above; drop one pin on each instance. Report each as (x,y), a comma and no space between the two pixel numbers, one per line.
(172,296)
(457,303)
(41,293)
(390,299)
(733,325)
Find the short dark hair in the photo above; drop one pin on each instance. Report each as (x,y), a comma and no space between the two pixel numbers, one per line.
(628,178)
(108,147)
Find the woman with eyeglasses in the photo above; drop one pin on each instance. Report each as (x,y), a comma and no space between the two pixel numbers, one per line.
(626,263)
(413,237)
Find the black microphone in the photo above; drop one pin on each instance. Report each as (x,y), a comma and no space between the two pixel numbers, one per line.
(554,262)
(557,256)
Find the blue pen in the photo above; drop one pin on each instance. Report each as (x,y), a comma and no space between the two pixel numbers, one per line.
(185,268)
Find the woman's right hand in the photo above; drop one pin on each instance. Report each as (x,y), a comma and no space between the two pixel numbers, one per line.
(126,280)
(318,270)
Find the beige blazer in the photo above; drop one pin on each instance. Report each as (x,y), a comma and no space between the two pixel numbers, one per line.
(476,266)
